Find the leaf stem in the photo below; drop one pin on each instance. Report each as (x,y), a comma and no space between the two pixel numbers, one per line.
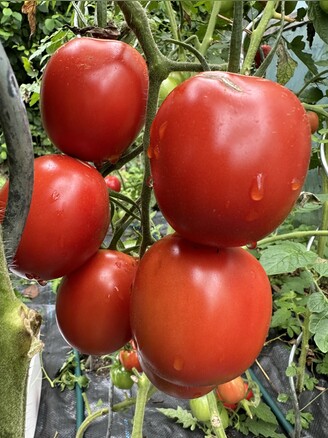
(208,37)
(293,235)
(304,350)
(236,37)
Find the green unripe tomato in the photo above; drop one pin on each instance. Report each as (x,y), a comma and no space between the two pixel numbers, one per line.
(173,79)
(324,5)
(120,377)
(201,411)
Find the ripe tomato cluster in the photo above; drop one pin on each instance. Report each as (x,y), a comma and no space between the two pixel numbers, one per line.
(93,103)
(201,305)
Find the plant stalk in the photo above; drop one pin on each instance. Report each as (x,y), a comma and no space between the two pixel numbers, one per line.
(216,422)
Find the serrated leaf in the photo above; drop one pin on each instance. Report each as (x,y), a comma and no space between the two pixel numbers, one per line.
(263,412)
(263,429)
(322,368)
(321,335)
(280,317)
(286,257)
(286,65)
(321,267)
(297,45)
(181,416)
(317,303)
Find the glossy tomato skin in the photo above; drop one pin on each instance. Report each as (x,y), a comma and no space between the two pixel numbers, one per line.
(215,303)
(314,121)
(129,359)
(68,218)
(247,139)
(172,389)
(93,98)
(93,303)
(113,183)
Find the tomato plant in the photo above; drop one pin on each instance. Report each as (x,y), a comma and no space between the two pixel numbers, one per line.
(233,391)
(67,221)
(93,98)
(93,303)
(324,5)
(232,132)
(113,182)
(199,314)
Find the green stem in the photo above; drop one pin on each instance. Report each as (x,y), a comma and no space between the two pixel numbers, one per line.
(144,386)
(256,37)
(89,419)
(304,350)
(322,241)
(101,13)
(194,51)
(208,37)
(310,81)
(317,108)
(173,23)
(293,235)
(216,422)
(236,37)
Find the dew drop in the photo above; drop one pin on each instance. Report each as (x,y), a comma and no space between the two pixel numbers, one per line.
(252,245)
(257,187)
(150,182)
(162,130)
(295,184)
(42,282)
(178,364)
(55,195)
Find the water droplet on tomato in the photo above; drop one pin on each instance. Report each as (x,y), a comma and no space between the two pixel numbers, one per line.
(295,184)
(178,364)
(162,130)
(257,187)
(150,182)
(252,245)
(55,195)
(42,282)
(153,151)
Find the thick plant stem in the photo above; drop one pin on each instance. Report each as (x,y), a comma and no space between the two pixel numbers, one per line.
(14,123)
(291,236)
(142,397)
(216,422)
(236,37)
(304,350)
(101,13)
(18,343)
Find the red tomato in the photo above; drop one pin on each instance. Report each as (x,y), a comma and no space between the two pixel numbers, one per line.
(129,359)
(68,218)
(177,391)
(248,141)
(199,315)
(233,391)
(93,303)
(93,98)
(314,121)
(262,54)
(113,182)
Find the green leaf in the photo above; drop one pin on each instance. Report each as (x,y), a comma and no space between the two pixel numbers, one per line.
(263,412)
(321,267)
(322,368)
(286,65)
(263,429)
(297,45)
(286,257)
(181,416)
(7,12)
(319,19)
(291,370)
(317,303)
(280,317)
(321,335)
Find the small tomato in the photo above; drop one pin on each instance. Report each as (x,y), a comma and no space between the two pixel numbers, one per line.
(232,392)
(129,360)
(120,377)
(314,121)
(113,183)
